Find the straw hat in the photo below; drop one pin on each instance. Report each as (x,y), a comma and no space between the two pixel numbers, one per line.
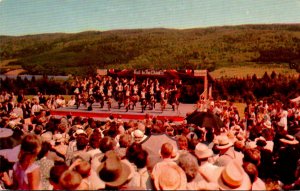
(267,124)
(202,151)
(290,140)
(138,136)
(47,136)
(223,142)
(58,138)
(113,172)
(78,131)
(170,177)
(233,177)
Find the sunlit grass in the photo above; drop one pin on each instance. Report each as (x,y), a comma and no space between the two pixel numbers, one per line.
(244,71)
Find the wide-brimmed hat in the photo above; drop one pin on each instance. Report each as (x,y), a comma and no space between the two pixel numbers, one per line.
(138,136)
(47,136)
(13,116)
(233,177)
(223,142)
(12,124)
(289,139)
(77,132)
(170,177)
(267,124)
(58,138)
(113,171)
(202,151)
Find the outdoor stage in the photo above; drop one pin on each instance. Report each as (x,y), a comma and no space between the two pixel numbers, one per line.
(136,114)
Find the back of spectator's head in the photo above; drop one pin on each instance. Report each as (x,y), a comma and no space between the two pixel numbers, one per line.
(81,142)
(125,140)
(251,170)
(239,146)
(132,151)
(189,165)
(70,180)
(141,159)
(46,146)
(84,169)
(31,145)
(95,139)
(252,156)
(166,150)
(106,144)
(56,171)
(38,129)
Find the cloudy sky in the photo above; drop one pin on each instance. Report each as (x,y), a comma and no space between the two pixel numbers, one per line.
(20,17)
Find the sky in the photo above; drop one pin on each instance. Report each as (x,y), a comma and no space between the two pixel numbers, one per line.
(23,17)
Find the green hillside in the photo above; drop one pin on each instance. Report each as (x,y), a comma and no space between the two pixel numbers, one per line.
(204,48)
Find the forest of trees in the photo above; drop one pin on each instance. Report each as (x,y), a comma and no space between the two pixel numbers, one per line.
(203,48)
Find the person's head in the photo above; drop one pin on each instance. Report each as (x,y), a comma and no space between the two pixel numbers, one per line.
(166,150)
(30,147)
(239,146)
(182,142)
(251,170)
(141,158)
(113,171)
(81,142)
(125,140)
(106,144)
(252,156)
(70,180)
(84,169)
(55,172)
(138,136)
(223,144)
(170,177)
(189,164)
(46,146)
(38,129)
(170,131)
(202,152)
(95,140)
(132,151)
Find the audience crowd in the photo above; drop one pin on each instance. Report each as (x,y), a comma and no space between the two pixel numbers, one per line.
(259,151)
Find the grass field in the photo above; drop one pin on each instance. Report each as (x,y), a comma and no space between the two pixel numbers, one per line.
(12,69)
(259,70)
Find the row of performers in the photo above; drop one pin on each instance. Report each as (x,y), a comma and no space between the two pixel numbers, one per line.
(128,99)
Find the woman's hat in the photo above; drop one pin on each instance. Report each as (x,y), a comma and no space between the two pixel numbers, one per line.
(233,177)
(138,136)
(202,151)
(58,138)
(223,142)
(170,177)
(112,171)
(78,131)
(290,140)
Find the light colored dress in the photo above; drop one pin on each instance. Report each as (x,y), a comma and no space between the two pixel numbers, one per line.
(21,175)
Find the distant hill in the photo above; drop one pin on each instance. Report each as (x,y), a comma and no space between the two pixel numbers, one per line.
(200,48)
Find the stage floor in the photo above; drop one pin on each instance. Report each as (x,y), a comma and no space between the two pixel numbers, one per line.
(136,114)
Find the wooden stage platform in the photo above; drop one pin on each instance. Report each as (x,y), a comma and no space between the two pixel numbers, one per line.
(136,114)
